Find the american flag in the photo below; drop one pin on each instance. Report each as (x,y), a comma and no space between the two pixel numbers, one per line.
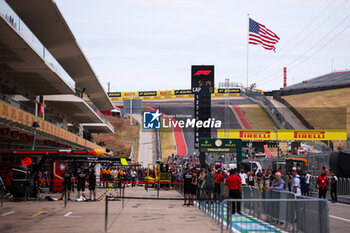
(259,34)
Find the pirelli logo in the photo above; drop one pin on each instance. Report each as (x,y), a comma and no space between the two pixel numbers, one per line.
(255,134)
(310,135)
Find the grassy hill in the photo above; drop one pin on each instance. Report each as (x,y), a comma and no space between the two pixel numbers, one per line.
(123,137)
(324,109)
(256,116)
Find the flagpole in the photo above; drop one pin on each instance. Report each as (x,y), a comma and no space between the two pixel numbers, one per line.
(247,49)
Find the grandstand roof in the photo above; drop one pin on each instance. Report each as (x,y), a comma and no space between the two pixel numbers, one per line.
(332,79)
(22,66)
(46,21)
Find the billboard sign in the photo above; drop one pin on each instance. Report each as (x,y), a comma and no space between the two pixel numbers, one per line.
(202,80)
(284,134)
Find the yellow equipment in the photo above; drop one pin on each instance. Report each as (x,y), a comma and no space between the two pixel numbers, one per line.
(157,173)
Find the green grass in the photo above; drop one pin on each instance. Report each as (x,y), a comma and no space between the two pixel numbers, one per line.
(256,116)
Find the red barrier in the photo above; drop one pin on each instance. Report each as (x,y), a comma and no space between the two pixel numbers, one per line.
(124,182)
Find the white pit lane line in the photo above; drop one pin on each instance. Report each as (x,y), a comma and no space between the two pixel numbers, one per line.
(339,218)
(8,213)
(72,216)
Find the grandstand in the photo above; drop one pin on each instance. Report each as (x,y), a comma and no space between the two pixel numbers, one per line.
(49,94)
(324,82)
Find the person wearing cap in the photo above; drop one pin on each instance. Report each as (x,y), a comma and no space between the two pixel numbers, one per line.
(322,181)
(251,179)
(296,182)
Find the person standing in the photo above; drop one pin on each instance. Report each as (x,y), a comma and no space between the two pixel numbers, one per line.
(133,177)
(219,179)
(194,184)
(296,182)
(251,179)
(200,183)
(303,185)
(307,180)
(81,182)
(334,181)
(115,174)
(92,183)
(67,183)
(322,181)
(277,183)
(108,177)
(290,181)
(187,179)
(243,177)
(209,183)
(234,185)
(268,179)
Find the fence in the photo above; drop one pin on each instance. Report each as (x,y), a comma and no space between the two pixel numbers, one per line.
(276,215)
(270,211)
(343,185)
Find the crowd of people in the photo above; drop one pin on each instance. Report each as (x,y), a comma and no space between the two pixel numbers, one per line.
(110,176)
(207,183)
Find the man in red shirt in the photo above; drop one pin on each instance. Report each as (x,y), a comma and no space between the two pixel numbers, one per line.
(322,181)
(234,185)
(219,178)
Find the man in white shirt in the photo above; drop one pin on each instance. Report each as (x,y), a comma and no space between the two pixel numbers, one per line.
(243,177)
(133,178)
(307,181)
(296,182)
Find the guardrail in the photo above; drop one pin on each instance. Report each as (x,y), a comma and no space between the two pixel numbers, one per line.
(343,185)
(274,113)
(98,112)
(272,211)
(294,111)
(20,27)
(276,215)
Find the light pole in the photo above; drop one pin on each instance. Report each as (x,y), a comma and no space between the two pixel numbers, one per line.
(35,125)
(278,147)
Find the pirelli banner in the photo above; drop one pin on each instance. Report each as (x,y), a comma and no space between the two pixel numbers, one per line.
(147,93)
(183,92)
(114,94)
(229,91)
(284,134)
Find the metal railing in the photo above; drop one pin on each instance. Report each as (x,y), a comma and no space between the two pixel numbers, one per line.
(98,112)
(276,215)
(262,210)
(16,22)
(343,185)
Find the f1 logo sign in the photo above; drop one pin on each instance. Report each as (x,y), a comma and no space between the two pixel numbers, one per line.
(204,72)
(26,161)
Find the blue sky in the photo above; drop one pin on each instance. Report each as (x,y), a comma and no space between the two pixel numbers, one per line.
(151,44)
